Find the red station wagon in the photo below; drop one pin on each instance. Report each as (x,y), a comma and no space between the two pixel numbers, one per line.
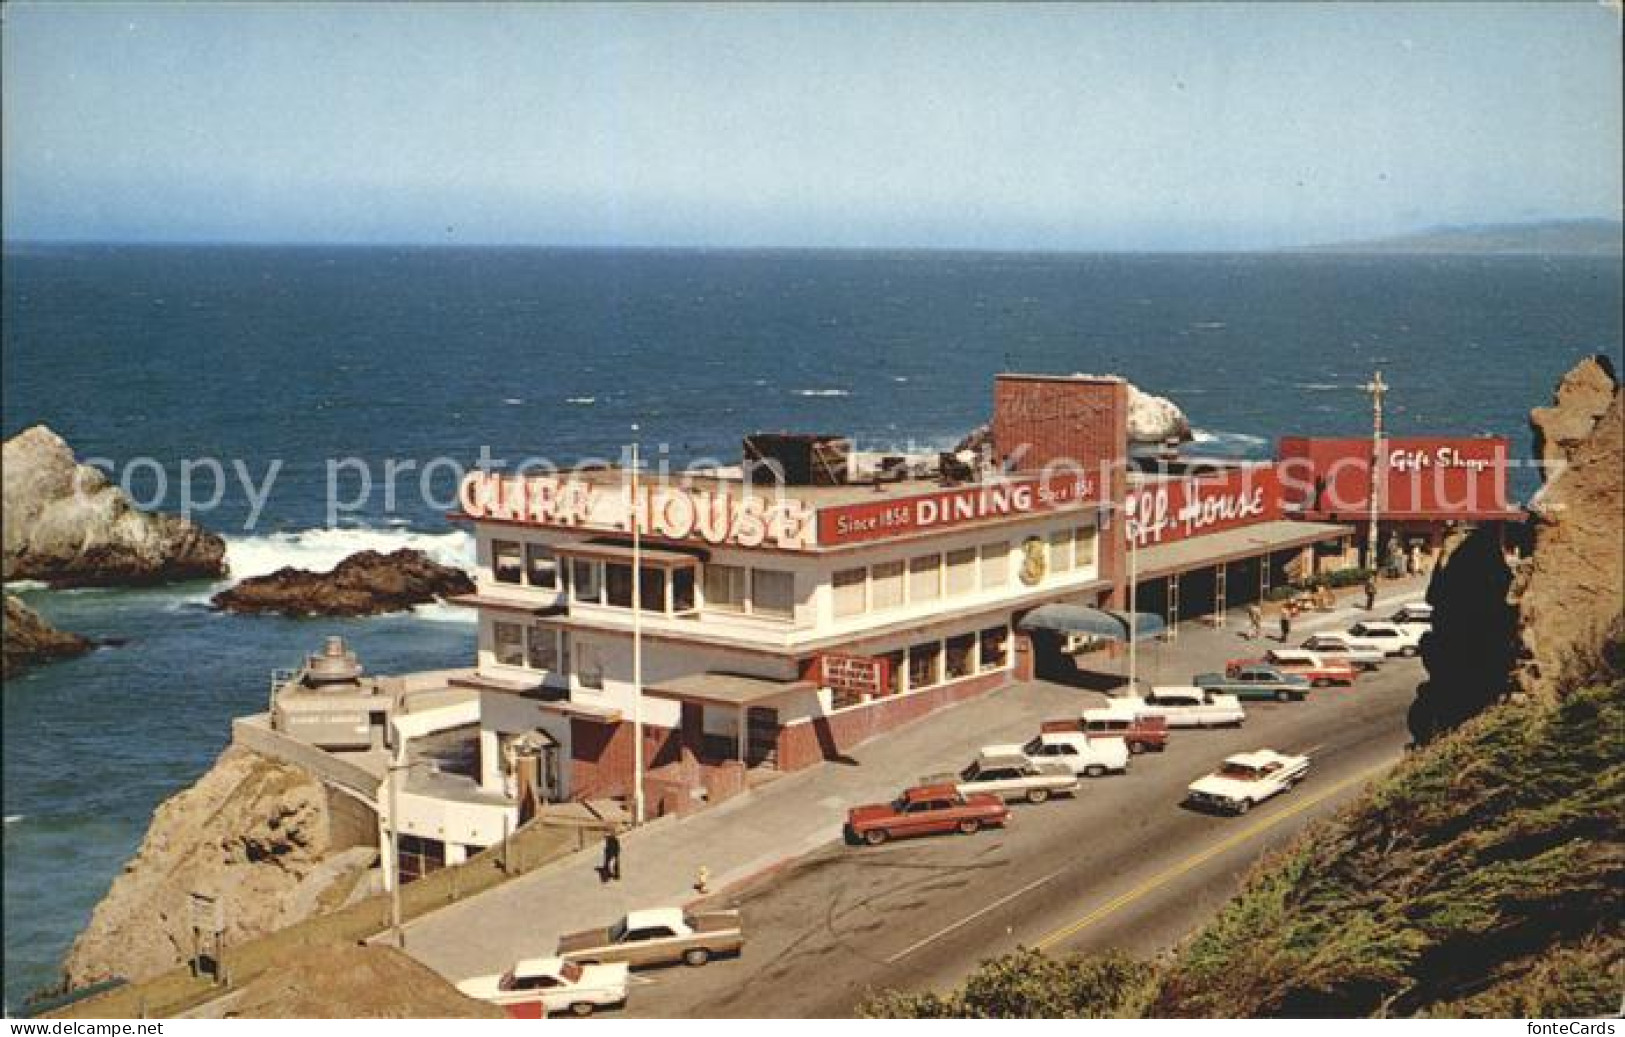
(1142,733)
(925,810)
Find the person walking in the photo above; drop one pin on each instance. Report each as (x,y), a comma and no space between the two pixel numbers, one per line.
(612,857)
(1286,623)
(1255,622)
(1370,593)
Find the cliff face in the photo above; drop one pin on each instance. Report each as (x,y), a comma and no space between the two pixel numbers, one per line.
(1570,591)
(67,525)
(29,639)
(253,832)
(344,981)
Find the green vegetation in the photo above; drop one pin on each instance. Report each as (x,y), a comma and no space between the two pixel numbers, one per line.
(1481,878)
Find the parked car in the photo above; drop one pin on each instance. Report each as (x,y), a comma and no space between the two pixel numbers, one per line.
(1005,771)
(1321,671)
(925,810)
(541,986)
(660,936)
(1078,753)
(1256,682)
(1141,732)
(1247,779)
(1362,655)
(1419,613)
(1394,638)
(1187,707)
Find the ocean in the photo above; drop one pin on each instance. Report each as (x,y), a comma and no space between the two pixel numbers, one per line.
(310,356)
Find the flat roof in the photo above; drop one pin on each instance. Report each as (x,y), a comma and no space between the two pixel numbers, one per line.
(1244,542)
(725,689)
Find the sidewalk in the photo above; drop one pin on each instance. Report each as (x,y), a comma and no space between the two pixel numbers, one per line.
(790,817)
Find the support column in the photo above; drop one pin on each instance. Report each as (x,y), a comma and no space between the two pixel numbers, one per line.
(744,733)
(1173,606)
(1219,594)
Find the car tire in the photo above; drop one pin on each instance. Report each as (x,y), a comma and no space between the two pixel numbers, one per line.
(1283,696)
(1319,683)
(876,836)
(1136,748)
(1407,651)
(696,956)
(581,1009)
(969,826)
(1244,806)
(1037,795)
(1094,770)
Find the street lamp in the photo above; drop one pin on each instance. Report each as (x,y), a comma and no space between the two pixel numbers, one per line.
(1376,387)
(397,766)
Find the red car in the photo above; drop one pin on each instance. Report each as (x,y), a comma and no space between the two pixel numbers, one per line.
(925,810)
(1142,733)
(1319,669)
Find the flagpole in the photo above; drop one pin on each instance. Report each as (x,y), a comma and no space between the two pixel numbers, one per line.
(637,641)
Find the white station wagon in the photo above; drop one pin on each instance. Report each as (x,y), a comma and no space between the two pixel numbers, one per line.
(1186,706)
(1395,639)
(1091,757)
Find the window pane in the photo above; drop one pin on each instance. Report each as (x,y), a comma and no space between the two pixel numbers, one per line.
(849,587)
(652,589)
(925,578)
(772,593)
(725,587)
(509,643)
(682,590)
(1060,551)
(541,566)
(1084,539)
(589,668)
(894,671)
(995,648)
(923,670)
(505,561)
(962,571)
(960,655)
(584,580)
(886,585)
(618,584)
(995,564)
(544,648)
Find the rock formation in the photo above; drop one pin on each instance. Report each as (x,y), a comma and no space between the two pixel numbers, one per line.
(1569,592)
(1470,649)
(366,583)
(346,981)
(257,834)
(29,639)
(67,525)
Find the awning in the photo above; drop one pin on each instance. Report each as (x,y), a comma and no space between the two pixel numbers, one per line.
(1211,549)
(617,552)
(1109,624)
(725,689)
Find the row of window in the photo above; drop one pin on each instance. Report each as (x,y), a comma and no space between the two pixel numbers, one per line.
(887,585)
(930,663)
(545,649)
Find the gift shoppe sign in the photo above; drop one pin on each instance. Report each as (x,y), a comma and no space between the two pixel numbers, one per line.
(876,520)
(1422,477)
(1160,511)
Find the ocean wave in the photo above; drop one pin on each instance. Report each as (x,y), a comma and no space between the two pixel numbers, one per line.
(440,612)
(12,819)
(1320,387)
(23,586)
(322,549)
(581,401)
(1235,438)
(513,401)
(821,392)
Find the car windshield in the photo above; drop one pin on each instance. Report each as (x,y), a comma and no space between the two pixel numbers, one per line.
(506,982)
(969,773)
(1034,747)
(571,972)
(617,932)
(1238,772)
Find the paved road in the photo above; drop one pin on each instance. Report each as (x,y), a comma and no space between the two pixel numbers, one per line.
(1122,865)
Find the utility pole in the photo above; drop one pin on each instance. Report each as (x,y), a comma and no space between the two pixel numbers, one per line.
(1132,528)
(637,640)
(1376,387)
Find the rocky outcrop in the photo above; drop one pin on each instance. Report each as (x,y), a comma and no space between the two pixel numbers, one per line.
(1470,649)
(347,981)
(1155,419)
(255,833)
(1569,591)
(29,639)
(366,583)
(67,525)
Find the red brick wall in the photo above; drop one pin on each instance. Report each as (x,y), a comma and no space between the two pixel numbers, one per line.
(601,756)
(804,744)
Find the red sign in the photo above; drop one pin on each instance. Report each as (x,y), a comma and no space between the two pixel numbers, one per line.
(854,674)
(875,520)
(1421,477)
(1161,511)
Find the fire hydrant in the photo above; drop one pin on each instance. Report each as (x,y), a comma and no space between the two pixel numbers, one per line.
(702,880)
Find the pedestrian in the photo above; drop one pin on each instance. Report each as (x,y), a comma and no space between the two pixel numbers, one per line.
(1415,559)
(1255,622)
(1370,592)
(1286,623)
(612,857)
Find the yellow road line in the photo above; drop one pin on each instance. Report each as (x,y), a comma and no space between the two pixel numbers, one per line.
(1070,930)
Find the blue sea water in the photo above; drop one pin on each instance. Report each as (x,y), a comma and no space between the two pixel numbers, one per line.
(303,355)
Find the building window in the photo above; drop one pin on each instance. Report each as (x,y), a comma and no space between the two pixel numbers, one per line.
(959,655)
(995,564)
(772,593)
(1060,551)
(925,578)
(924,665)
(509,643)
(589,668)
(886,585)
(850,585)
(543,647)
(618,585)
(894,671)
(505,564)
(962,572)
(725,587)
(584,581)
(652,589)
(995,648)
(682,590)
(1083,540)
(564,654)
(541,567)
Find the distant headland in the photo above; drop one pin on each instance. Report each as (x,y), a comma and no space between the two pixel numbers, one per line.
(1548,237)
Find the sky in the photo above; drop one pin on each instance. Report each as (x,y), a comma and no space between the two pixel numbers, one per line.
(1091,126)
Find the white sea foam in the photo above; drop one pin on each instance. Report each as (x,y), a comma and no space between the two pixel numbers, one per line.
(1235,438)
(12,819)
(322,549)
(581,401)
(822,392)
(440,612)
(1321,387)
(513,401)
(22,586)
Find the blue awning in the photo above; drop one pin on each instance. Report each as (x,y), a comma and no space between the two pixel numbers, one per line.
(1109,624)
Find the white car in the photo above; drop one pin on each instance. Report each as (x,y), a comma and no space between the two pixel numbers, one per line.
(1362,655)
(1005,771)
(1414,615)
(540,986)
(1394,638)
(1186,706)
(1091,757)
(1247,779)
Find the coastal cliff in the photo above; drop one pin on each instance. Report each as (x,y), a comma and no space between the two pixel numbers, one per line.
(364,584)
(29,639)
(257,834)
(67,525)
